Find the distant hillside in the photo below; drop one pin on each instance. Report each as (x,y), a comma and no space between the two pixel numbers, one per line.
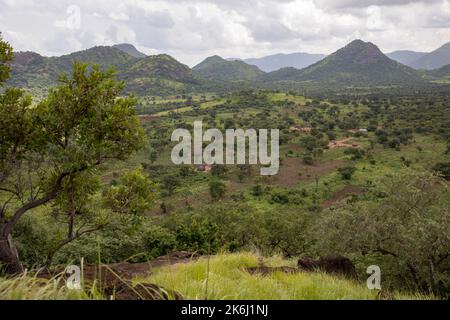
(443,72)
(102,55)
(284,74)
(435,59)
(406,57)
(280,61)
(217,69)
(130,49)
(160,74)
(357,64)
(34,72)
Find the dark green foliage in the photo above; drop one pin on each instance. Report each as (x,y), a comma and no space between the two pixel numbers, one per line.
(198,236)
(218,170)
(6,55)
(133,193)
(347,172)
(257,190)
(170,183)
(217,189)
(400,234)
(356,154)
(443,170)
(50,152)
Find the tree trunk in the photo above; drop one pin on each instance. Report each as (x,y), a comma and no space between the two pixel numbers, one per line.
(9,258)
(432,286)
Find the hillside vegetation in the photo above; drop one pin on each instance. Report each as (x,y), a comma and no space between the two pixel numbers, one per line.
(160,74)
(86,176)
(358,63)
(217,69)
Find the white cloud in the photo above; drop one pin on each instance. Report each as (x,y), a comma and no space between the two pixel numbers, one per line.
(191,30)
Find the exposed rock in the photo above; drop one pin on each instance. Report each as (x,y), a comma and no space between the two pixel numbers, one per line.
(331,264)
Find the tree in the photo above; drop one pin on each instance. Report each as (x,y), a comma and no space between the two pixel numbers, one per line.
(218,170)
(82,124)
(410,227)
(217,189)
(347,172)
(243,172)
(73,208)
(6,55)
(134,193)
(443,170)
(199,236)
(170,183)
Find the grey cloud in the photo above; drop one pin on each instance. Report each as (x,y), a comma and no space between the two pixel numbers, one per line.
(348,4)
(194,29)
(157,19)
(270,31)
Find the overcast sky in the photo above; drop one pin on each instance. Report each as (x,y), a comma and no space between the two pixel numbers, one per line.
(192,30)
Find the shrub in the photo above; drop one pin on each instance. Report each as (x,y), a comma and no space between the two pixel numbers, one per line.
(347,172)
(217,189)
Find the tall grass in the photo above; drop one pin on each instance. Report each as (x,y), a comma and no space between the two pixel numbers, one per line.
(30,287)
(227,279)
(221,277)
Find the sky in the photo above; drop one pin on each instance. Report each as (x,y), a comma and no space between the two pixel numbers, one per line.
(191,30)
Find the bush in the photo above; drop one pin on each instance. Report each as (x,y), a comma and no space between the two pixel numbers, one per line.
(398,236)
(280,198)
(443,170)
(217,189)
(257,190)
(199,236)
(347,172)
(356,154)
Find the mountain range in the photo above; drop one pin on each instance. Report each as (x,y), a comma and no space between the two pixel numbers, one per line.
(434,60)
(413,59)
(406,57)
(423,60)
(275,62)
(357,64)
(160,74)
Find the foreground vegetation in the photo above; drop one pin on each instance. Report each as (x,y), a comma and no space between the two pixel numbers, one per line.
(222,277)
(225,277)
(364,173)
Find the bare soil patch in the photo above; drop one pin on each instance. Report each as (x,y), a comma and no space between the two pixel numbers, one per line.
(343,144)
(294,171)
(342,194)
